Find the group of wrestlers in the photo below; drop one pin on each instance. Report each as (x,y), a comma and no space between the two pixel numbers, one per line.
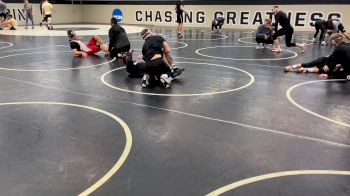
(157,66)
(8,22)
(6,19)
(267,33)
(336,65)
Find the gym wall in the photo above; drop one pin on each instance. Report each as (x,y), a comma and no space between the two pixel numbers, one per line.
(237,16)
(64,13)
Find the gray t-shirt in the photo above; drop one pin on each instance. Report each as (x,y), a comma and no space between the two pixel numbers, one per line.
(2,7)
(29,8)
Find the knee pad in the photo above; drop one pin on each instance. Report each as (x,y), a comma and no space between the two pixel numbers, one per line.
(49,19)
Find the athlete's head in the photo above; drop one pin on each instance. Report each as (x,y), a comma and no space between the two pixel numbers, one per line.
(71,34)
(275,9)
(336,39)
(267,21)
(145,33)
(113,21)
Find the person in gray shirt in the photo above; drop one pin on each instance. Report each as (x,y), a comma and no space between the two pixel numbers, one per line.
(264,34)
(29,12)
(335,26)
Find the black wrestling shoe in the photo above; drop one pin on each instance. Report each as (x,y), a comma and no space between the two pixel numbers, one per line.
(176,72)
(41,24)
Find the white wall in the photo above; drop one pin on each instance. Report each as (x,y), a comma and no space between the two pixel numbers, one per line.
(202,15)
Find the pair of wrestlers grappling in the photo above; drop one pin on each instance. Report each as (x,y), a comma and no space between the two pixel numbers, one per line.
(157,65)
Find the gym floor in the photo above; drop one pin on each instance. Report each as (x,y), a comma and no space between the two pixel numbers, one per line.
(233,123)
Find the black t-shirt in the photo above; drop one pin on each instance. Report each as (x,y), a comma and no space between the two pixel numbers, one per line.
(341,55)
(117,37)
(321,24)
(282,19)
(178,7)
(153,45)
(218,21)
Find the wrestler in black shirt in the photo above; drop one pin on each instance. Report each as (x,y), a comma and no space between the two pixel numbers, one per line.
(287,30)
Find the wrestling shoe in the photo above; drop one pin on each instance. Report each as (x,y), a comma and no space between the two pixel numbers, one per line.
(145,81)
(176,72)
(323,43)
(313,40)
(165,80)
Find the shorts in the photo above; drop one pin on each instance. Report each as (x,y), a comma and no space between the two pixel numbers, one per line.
(155,68)
(179,18)
(114,52)
(46,17)
(93,46)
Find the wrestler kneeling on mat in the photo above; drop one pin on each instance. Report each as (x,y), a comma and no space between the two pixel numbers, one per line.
(159,64)
(137,69)
(217,22)
(287,30)
(79,48)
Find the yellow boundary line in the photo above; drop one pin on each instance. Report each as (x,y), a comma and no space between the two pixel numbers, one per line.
(122,158)
(274,175)
(289,97)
